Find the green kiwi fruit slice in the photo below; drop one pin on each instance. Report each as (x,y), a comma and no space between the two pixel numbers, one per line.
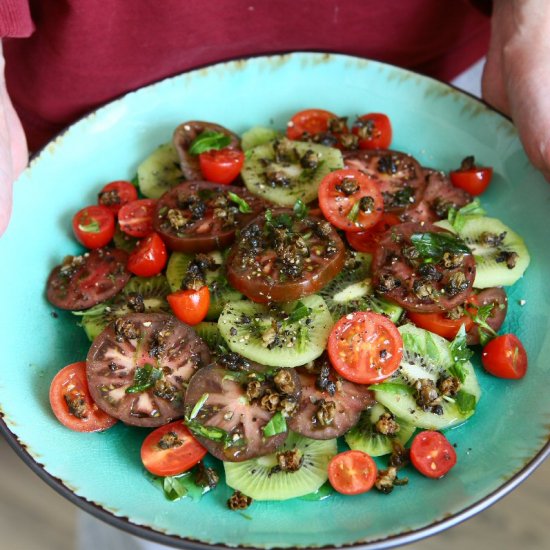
(283,171)
(263,479)
(352,291)
(364,436)
(284,335)
(220,291)
(427,358)
(258,136)
(141,294)
(160,171)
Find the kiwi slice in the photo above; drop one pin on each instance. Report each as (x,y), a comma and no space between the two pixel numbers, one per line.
(160,171)
(263,479)
(258,136)
(283,335)
(500,253)
(220,291)
(365,437)
(352,290)
(210,333)
(428,357)
(142,294)
(283,171)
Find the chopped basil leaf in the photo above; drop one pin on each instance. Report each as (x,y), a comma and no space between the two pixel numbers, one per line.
(432,246)
(431,348)
(460,354)
(209,432)
(393,387)
(277,425)
(354,212)
(198,406)
(457,218)
(91,227)
(144,378)
(207,141)
(244,207)
(180,486)
(300,209)
(135,181)
(486,332)
(466,402)
(299,312)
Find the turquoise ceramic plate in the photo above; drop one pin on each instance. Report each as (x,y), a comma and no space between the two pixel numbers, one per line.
(497,449)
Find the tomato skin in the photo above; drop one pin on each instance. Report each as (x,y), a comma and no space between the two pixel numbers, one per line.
(352,472)
(136,217)
(221,166)
(337,205)
(356,345)
(174,460)
(310,122)
(367,241)
(94,226)
(505,357)
(374,131)
(116,194)
(473,181)
(71,382)
(190,306)
(432,454)
(149,257)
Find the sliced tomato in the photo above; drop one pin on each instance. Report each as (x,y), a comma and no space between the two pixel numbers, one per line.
(72,403)
(149,257)
(365,347)
(190,306)
(432,454)
(171,450)
(94,226)
(116,194)
(352,472)
(367,241)
(221,166)
(308,123)
(374,131)
(350,200)
(471,178)
(505,357)
(136,217)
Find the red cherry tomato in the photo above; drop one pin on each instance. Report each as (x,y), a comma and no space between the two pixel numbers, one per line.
(116,194)
(136,217)
(505,357)
(311,122)
(432,454)
(190,306)
(171,450)
(94,226)
(473,179)
(367,241)
(149,257)
(365,347)
(374,131)
(72,403)
(350,200)
(221,166)
(352,472)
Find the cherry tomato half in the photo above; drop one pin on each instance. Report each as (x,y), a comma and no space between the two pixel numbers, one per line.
(190,306)
(136,217)
(350,200)
(313,121)
(94,226)
(72,403)
(374,131)
(221,166)
(171,450)
(367,241)
(473,179)
(116,194)
(432,454)
(149,257)
(352,472)
(365,347)
(505,357)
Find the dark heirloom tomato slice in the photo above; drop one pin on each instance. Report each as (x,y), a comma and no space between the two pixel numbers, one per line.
(199,216)
(72,403)
(139,365)
(237,406)
(350,200)
(399,176)
(417,283)
(280,258)
(365,347)
(497,297)
(81,282)
(329,406)
(185,134)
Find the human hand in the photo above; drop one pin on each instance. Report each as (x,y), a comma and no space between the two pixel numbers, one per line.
(516,78)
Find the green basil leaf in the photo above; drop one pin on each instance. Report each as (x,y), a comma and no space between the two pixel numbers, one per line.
(354,212)
(432,246)
(300,209)
(209,432)
(144,378)
(198,406)
(392,387)
(244,207)
(207,141)
(486,331)
(299,312)
(173,488)
(91,227)
(466,402)
(458,218)
(277,425)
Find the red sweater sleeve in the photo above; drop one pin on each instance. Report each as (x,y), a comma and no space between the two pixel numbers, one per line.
(15,19)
